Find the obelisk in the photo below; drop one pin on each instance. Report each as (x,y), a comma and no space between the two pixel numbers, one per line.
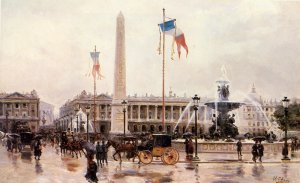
(117,118)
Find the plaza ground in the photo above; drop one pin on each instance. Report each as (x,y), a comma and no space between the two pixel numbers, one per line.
(213,167)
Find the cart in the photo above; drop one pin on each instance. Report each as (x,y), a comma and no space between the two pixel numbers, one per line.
(26,141)
(161,148)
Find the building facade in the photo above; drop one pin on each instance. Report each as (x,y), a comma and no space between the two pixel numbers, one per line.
(19,108)
(144,114)
(256,114)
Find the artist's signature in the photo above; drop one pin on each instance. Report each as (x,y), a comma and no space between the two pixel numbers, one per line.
(280,180)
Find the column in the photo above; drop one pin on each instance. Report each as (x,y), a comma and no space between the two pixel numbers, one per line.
(3,112)
(172,113)
(131,109)
(12,109)
(139,112)
(155,112)
(180,110)
(106,111)
(147,110)
(28,107)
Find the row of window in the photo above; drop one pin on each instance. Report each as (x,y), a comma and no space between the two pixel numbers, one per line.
(16,105)
(258,124)
(248,109)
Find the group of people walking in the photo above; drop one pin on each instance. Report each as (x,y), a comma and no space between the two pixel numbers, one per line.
(257,151)
(101,153)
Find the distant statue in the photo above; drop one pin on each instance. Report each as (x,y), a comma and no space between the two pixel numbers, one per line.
(231,119)
(219,92)
(223,92)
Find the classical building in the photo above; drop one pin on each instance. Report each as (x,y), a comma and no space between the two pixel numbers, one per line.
(256,114)
(143,113)
(19,108)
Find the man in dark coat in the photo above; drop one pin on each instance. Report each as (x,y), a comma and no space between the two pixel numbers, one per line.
(254,152)
(104,153)
(239,149)
(186,142)
(260,150)
(99,153)
(37,149)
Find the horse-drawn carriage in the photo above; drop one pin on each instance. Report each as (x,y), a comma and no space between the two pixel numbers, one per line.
(161,147)
(157,145)
(26,143)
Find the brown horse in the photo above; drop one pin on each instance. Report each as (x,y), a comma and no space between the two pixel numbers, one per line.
(73,147)
(129,148)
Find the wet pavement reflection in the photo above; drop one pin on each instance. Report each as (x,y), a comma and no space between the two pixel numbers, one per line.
(64,169)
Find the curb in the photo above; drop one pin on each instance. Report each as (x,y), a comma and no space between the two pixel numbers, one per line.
(235,161)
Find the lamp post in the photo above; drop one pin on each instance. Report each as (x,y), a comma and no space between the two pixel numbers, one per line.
(44,121)
(285,152)
(71,122)
(67,118)
(76,111)
(6,115)
(196,100)
(124,103)
(88,108)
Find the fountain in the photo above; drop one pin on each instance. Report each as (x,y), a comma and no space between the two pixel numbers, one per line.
(223,124)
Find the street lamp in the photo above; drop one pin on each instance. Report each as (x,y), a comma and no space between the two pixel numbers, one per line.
(196,100)
(76,111)
(285,151)
(6,115)
(67,118)
(124,103)
(44,121)
(87,108)
(71,122)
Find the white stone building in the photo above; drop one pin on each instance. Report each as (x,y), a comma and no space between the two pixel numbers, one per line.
(16,107)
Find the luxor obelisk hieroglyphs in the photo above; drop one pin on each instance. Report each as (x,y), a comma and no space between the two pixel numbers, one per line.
(117,122)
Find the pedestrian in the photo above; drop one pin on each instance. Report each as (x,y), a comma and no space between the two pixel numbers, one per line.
(254,152)
(260,150)
(239,149)
(37,149)
(8,144)
(91,168)
(104,153)
(99,153)
(190,149)
(186,142)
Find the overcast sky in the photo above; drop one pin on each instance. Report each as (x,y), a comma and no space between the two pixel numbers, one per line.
(45,46)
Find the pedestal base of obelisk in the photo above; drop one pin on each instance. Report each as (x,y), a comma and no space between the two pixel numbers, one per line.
(117,122)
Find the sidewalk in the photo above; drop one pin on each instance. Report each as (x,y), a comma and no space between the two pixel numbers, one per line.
(233,158)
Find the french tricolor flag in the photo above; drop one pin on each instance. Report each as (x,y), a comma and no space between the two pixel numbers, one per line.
(171,29)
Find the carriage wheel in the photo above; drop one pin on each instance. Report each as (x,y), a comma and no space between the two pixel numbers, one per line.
(145,157)
(170,156)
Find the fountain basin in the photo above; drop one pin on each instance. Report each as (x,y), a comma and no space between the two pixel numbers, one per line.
(224,106)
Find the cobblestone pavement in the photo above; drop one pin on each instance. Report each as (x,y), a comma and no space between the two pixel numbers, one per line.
(214,168)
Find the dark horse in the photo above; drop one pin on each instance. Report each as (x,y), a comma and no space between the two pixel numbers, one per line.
(129,148)
(74,147)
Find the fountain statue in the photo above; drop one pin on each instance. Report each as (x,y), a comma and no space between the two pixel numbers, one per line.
(223,123)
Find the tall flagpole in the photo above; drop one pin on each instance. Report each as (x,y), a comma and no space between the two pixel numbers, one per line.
(163,74)
(95,99)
